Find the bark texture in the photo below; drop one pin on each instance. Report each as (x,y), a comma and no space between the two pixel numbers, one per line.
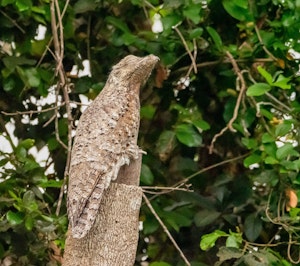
(112,241)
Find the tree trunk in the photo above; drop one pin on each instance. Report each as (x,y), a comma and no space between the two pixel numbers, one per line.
(113,238)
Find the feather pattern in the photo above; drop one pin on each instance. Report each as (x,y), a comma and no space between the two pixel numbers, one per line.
(106,139)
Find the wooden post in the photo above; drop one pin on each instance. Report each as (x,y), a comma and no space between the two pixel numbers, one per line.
(113,238)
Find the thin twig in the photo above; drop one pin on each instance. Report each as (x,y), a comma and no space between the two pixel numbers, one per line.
(51,39)
(56,116)
(209,168)
(88,43)
(241,86)
(13,21)
(224,60)
(61,35)
(216,136)
(58,49)
(50,120)
(242,90)
(165,229)
(263,45)
(31,112)
(278,102)
(186,47)
(164,190)
(296,262)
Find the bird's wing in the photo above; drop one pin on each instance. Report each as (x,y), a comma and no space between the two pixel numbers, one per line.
(97,155)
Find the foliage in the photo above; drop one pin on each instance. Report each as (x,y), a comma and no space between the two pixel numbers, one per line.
(221,129)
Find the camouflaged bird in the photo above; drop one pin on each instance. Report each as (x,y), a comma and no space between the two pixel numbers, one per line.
(106,139)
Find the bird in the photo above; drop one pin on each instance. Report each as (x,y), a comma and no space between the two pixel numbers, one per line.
(105,140)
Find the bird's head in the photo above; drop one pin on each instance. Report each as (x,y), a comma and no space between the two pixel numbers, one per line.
(134,69)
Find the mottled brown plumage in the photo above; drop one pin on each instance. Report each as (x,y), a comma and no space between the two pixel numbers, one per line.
(106,139)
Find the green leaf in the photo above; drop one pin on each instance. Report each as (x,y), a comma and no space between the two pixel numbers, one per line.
(14,218)
(216,38)
(238,9)
(270,148)
(29,222)
(266,138)
(176,220)
(23,5)
(231,242)
(166,144)
(29,201)
(21,153)
(170,21)
(51,183)
(252,159)
(187,135)
(146,175)
(282,82)
(206,217)
(195,33)
(192,12)
(208,241)
(294,212)
(27,143)
(268,77)
(83,6)
(52,144)
(150,225)
(236,237)
(159,263)
(258,89)
(253,227)
(227,253)
(286,150)
(201,125)
(271,160)
(83,85)
(283,128)
(118,23)
(29,76)
(249,143)
(11,62)
(266,113)
(7,2)
(148,111)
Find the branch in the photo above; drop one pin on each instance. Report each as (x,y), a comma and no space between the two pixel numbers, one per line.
(186,48)
(242,88)
(224,60)
(209,168)
(13,21)
(31,112)
(59,53)
(147,189)
(263,45)
(165,229)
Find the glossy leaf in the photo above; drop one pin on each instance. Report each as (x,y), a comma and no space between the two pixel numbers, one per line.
(215,37)
(286,150)
(268,77)
(206,217)
(258,89)
(208,241)
(252,159)
(14,218)
(237,8)
(187,135)
(253,227)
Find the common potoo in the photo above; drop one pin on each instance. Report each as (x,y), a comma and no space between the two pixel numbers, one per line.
(106,139)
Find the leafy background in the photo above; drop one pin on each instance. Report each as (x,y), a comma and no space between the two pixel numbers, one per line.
(219,122)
